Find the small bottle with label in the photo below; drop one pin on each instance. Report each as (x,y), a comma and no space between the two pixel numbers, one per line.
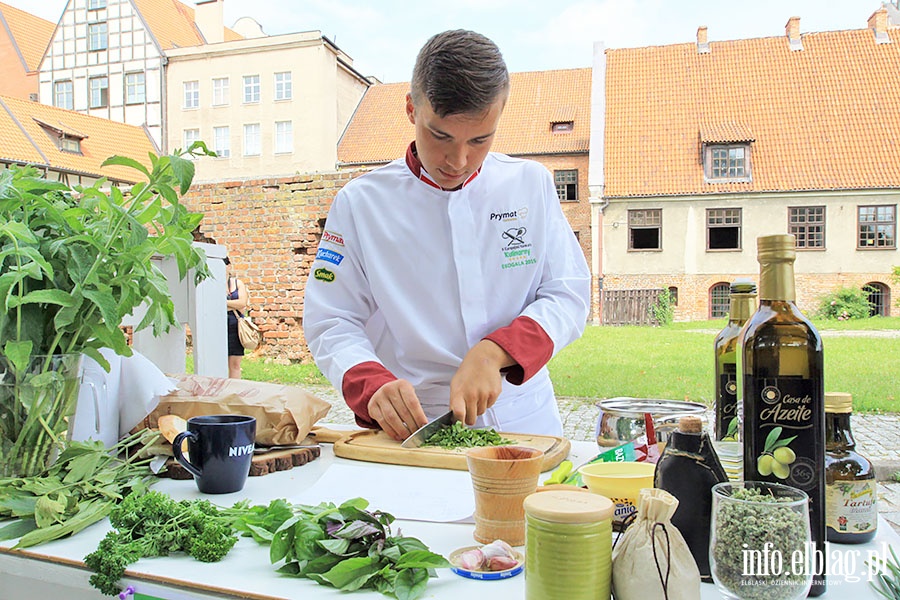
(851,512)
(743,305)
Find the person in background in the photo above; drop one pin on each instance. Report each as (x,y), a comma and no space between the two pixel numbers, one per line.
(448,278)
(236,300)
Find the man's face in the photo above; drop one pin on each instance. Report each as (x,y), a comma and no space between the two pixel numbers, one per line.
(453,147)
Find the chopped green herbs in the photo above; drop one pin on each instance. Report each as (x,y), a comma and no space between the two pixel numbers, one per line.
(743,531)
(460,436)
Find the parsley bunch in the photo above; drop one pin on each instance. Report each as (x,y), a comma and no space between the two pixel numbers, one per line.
(154,524)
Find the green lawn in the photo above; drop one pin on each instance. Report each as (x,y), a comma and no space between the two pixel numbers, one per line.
(676,362)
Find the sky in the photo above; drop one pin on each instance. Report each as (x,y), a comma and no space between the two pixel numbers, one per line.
(383,36)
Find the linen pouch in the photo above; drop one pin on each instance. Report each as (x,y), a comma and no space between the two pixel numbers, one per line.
(651,558)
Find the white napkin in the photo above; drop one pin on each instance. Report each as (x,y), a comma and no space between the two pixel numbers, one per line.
(112,404)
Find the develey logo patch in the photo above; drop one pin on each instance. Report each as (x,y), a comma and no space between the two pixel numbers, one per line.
(333,238)
(329,256)
(324,275)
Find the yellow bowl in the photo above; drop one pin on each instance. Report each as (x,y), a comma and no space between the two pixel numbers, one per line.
(618,481)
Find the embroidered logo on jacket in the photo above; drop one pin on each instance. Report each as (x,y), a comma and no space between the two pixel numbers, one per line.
(517,251)
(324,275)
(329,256)
(333,238)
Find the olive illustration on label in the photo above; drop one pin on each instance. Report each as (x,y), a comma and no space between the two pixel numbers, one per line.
(777,457)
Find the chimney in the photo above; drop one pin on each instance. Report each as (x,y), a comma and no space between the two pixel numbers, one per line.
(878,23)
(702,40)
(792,32)
(209,18)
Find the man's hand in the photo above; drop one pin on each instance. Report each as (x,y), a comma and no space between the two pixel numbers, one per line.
(478,382)
(397,410)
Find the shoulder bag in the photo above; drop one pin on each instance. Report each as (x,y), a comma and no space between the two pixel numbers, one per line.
(248,331)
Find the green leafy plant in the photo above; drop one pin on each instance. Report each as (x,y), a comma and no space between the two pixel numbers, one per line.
(887,578)
(79,489)
(663,310)
(458,435)
(73,263)
(844,304)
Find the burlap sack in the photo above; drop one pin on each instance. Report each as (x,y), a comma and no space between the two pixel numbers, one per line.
(651,560)
(284,414)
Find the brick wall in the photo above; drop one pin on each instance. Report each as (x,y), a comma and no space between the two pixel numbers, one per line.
(271,228)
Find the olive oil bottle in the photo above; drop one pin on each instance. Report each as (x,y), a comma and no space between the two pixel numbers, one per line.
(782,391)
(851,510)
(743,305)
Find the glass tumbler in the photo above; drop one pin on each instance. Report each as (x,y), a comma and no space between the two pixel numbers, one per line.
(760,541)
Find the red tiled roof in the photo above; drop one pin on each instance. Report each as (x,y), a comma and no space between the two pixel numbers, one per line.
(30,33)
(825,117)
(23,139)
(380,131)
(172,23)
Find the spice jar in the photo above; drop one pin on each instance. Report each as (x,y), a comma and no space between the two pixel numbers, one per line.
(568,546)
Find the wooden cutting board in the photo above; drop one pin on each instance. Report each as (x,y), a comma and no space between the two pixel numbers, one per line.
(377,446)
(262,464)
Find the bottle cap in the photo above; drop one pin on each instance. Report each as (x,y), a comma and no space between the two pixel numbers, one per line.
(569,507)
(776,247)
(690,424)
(838,402)
(743,285)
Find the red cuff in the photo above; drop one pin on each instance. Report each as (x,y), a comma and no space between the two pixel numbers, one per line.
(528,344)
(359,385)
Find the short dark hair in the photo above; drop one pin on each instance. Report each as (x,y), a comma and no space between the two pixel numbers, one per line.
(459,72)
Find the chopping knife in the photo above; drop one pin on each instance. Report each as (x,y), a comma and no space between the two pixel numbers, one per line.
(424,432)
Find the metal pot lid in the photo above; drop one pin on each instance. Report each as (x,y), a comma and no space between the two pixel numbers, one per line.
(636,407)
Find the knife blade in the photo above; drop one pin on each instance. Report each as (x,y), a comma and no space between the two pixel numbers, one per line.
(425,431)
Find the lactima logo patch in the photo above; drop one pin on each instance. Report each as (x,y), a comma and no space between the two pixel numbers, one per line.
(240,450)
(333,238)
(324,275)
(329,256)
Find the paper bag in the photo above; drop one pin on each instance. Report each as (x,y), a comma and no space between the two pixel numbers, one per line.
(651,558)
(284,414)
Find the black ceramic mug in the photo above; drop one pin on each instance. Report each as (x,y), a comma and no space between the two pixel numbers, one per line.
(220,448)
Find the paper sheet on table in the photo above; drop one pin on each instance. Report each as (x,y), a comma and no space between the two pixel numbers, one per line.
(415,494)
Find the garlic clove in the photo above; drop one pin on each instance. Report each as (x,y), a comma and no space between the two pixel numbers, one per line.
(501,563)
(471,560)
(498,548)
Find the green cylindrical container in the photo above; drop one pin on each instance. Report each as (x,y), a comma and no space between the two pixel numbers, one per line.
(568,546)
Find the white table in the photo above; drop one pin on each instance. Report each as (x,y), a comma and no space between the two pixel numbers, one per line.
(56,570)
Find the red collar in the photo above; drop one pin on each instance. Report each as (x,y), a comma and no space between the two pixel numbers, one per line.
(415,165)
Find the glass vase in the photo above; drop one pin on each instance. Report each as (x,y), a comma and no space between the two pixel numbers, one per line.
(760,541)
(36,402)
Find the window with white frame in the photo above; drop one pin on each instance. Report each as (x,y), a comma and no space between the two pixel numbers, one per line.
(96,4)
(191,136)
(877,227)
(727,162)
(222,141)
(191,94)
(283,86)
(284,136)
(645,229)
(251,89)
(566,185)
(251,139)
(62,94)
(135,88)
(99,92)
(97,36)
(220,91)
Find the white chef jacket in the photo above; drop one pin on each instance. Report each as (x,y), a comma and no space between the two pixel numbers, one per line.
(412,276)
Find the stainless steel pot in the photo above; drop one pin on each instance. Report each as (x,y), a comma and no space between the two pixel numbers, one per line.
(622,419)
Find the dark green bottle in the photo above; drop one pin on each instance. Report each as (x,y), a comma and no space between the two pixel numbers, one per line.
(743,305)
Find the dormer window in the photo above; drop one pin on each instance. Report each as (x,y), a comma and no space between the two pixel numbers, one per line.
(65,138)
(725,153)
(562,127)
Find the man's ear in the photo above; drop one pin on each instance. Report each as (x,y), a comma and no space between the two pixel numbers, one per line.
(410,109)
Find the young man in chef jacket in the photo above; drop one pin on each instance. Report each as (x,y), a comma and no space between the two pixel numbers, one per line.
(449,277)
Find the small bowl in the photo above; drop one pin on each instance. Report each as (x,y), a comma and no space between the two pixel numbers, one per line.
(620,482)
